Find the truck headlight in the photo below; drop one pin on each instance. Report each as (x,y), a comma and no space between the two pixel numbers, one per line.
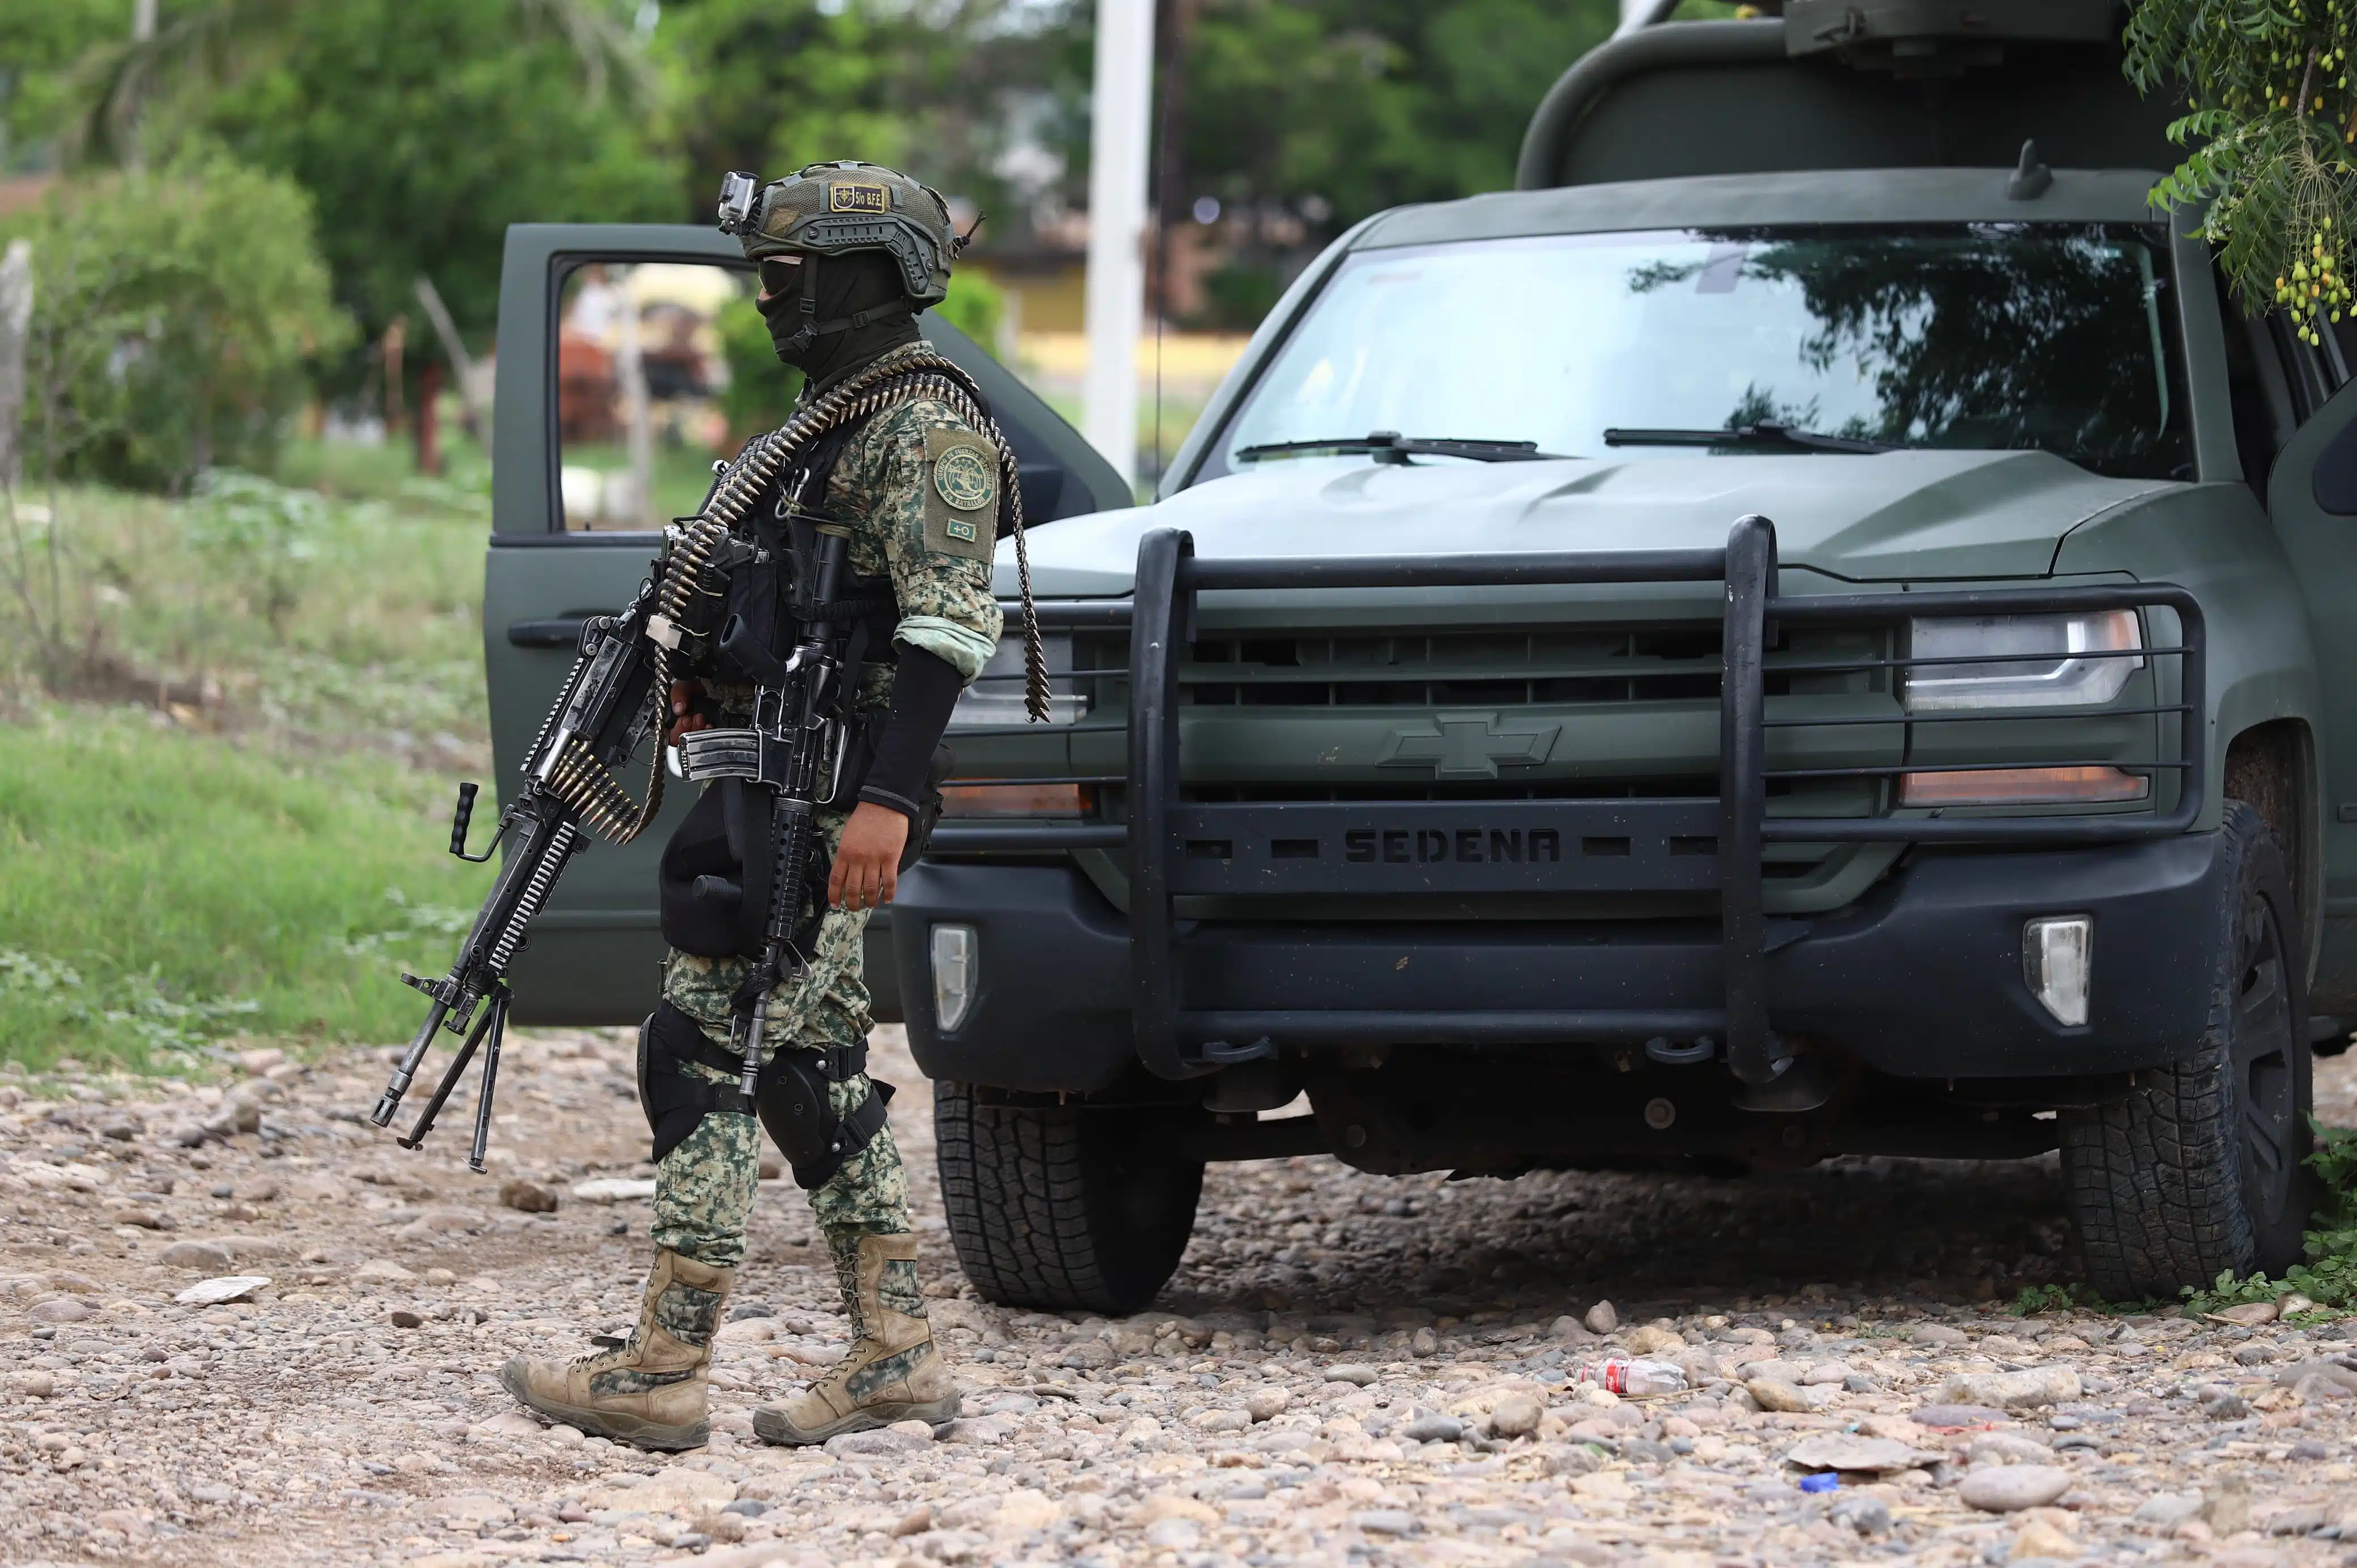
(2020,662)
(954,974)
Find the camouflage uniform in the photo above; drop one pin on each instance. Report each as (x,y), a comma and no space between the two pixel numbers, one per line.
(903,527)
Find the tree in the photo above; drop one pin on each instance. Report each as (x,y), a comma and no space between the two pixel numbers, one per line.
(2266,85)
(771,85)
(421,128)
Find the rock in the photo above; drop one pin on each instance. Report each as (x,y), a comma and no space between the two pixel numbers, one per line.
(1024,1511)
(889,1440)
(1827,1374)
(1351,1372)
(1516,1415)
(2249,1314)
(2168,1509)
(2012,1391)
(1175,1534)
(915,1434)
(675,1490)
(2226,1507)
(613,1189)
(404,1318)
(1959,1417)
(2299,1372)
(1266,1404)
(2301,1520)
(2009,1448)
(1434,1429)
(1935,1334)
(1220,1421)
(1865,1515)
(1652,1341)
(212,1293)
(1387,1522)
(2291,1304)
(1772,1394)
(916,1522)
(528,1196)
(472,1511)
(2040,1539)
(511,1424)
(1571,1331)
(59,1309)
(381,1271)
(1423,1342)
(210,1257)
(1601,1318)
(2009,1488)
(1845,1451)
(1174,1505)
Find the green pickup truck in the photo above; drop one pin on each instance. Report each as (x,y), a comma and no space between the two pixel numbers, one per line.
(1798,631)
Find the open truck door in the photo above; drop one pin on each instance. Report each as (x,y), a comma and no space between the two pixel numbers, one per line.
(573,530)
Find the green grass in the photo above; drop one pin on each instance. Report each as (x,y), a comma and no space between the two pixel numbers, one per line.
(227,739)
(160,890)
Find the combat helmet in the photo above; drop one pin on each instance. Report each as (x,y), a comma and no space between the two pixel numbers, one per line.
(830,210)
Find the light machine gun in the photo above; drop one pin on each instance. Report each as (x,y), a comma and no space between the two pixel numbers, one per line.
(612,701)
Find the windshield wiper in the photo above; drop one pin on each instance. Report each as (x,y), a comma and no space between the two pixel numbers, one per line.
(1767,433)
(1391,447)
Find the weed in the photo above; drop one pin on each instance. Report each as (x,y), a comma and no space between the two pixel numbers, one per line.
(2329,1278)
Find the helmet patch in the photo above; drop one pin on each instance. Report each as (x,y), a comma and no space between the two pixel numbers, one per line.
(847,195)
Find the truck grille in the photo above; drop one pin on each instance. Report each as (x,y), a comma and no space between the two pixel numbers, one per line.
(1338,682)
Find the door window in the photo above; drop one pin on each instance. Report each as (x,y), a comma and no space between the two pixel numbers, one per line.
(661,368)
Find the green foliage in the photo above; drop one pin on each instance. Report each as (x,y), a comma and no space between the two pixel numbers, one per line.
(771,85)
(40,40)
(1333,109)
(761,390)
(976,307)
(2266,84)
(158,891)
(2034,1300)
(422,128)
(259,535)
(149,361)
(2329,1278)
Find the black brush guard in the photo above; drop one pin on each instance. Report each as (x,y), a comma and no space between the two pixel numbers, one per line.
(1177,847)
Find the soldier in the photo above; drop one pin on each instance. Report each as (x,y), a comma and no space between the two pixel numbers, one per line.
(847,254)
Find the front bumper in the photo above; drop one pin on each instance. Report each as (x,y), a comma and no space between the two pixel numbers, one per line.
(1922,979)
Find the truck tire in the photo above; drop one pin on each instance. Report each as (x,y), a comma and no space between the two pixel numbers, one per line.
(2200,1169)
(1060,1208)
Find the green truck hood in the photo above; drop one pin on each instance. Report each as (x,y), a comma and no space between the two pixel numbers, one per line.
(1917,515)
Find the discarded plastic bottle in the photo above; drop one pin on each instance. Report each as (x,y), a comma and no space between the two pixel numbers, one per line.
(1628,1375)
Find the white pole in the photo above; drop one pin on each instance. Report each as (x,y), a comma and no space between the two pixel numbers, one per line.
(1636,13)
(1120,111)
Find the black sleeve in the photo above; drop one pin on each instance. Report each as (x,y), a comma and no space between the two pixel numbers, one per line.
(924,692)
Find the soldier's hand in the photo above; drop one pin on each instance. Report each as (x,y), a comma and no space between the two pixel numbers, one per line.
(685,720)
(868,862)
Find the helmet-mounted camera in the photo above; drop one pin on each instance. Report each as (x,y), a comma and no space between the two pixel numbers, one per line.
(740,194)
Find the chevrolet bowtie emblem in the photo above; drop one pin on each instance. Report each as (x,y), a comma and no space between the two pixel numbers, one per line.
(1467,745)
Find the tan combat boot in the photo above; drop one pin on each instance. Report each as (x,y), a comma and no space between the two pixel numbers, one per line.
(648,1391)
(893,1372)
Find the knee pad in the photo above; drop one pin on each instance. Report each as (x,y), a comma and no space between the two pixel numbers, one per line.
(675,1101)
(798,1111)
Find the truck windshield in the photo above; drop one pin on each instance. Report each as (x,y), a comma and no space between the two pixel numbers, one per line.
(1987,336)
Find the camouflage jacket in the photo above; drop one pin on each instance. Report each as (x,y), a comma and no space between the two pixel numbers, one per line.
(918,488)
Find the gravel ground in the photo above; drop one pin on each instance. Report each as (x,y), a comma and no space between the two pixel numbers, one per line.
(1348,1369)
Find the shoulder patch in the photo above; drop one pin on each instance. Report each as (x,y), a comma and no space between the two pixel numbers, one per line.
(961,494)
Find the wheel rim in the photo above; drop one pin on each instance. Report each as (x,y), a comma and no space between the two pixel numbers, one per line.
(2266,1095)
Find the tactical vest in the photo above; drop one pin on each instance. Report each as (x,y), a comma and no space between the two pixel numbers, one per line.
(716,870)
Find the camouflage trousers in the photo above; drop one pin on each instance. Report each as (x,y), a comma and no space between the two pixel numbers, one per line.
(705,1187)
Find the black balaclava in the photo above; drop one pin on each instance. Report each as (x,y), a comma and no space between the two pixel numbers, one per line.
(848,286)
